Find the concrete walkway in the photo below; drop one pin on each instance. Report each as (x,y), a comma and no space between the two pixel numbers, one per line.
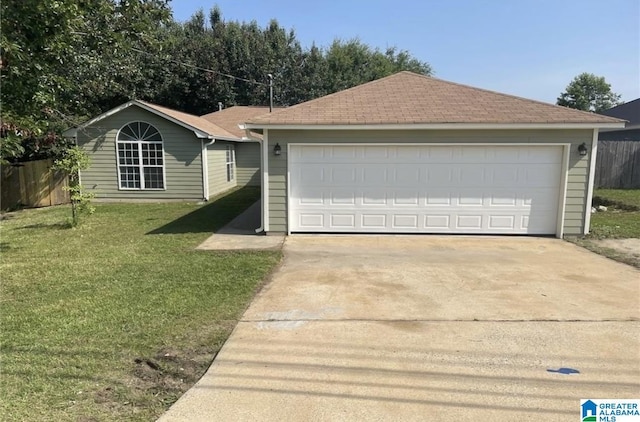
(240,234)
(413,328)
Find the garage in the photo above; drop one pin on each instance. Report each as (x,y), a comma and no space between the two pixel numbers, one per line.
(413,154)
(466,189)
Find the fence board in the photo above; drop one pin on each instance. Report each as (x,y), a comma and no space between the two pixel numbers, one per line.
(33,184)
(618,165)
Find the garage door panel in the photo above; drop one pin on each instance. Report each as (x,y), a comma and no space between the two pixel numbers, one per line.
(343,174)
(402,197)
(407,175)
(437,221)
(312,196)
(374,197)
(310,220)
(502,222)
(480,189)
(342,197)
(373,221)
(375,175)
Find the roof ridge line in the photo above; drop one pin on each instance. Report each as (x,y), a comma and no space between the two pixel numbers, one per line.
(503,94)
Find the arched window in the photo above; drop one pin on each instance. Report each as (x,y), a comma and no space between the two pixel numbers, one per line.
(140,157)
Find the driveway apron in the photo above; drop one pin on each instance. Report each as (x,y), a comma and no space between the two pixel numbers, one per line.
(390,328)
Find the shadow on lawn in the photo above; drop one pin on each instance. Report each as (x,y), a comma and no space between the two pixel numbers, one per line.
(44,226)
(213,216)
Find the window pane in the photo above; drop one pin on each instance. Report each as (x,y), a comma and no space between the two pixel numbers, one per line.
(129,177)
(153,178)
(140,155)
(229,172)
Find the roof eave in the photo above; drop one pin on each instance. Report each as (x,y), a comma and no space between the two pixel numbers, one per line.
(444,126)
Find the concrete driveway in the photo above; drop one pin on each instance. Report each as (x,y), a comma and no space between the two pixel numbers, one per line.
(420,327)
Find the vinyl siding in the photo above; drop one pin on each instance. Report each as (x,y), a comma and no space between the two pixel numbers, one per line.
(248,163)
(217,168)
(182,156)
(577,180)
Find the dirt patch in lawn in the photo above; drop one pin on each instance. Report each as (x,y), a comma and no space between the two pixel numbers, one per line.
(623,250)
(625,246)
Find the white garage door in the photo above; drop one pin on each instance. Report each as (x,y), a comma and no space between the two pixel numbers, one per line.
(424,189)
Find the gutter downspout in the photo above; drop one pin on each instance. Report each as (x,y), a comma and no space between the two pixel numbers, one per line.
(264,187)
(205,168)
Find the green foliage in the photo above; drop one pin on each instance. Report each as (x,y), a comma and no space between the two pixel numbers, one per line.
(589,92)
(10,148)
(72,162)
(251,52)
(84,57)
(71,56)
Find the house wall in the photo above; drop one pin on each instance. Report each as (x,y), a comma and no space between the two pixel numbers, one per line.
(620,135)
(182,150)
(577,181)
(217,168)
(248,163)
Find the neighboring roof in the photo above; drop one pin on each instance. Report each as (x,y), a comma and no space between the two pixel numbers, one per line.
(230,118)
(407,98)
(202,128)
(628,111)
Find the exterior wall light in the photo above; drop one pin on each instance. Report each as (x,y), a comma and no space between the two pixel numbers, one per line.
(277,150)
(582,149)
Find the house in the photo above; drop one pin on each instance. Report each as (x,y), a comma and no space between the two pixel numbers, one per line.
(631,113)
(413,154)
(142,151)
(589,410)
(618,164)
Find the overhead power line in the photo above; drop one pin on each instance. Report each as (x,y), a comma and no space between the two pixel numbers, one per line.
(226,75)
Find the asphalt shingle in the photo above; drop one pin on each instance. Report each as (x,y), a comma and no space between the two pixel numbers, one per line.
(410,98)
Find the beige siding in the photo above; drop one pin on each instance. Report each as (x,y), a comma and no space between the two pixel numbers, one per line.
(578,166)
(182,154)
(248,163)
(217,168)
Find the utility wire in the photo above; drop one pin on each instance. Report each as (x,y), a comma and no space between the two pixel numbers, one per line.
(202,68)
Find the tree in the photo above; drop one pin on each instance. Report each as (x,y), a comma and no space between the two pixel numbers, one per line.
(589,92)
(64,58)
(74,160)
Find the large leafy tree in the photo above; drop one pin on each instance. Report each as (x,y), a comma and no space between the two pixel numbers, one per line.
(66,59)
(84,57)
(251,52)
(589,92)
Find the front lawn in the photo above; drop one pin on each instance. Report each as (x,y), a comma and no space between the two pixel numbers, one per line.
(622,218)
(116,319)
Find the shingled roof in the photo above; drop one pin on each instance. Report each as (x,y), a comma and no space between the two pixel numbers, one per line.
(203,128)
(410,98)
(196,122)
(230,118)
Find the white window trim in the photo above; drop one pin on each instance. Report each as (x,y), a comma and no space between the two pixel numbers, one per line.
(230,152)
(140,165)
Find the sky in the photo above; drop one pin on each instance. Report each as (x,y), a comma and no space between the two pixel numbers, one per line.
(528,48)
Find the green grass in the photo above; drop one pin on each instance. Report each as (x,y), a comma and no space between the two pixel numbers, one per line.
(622,218)
(116,319)
(620,221)
(622,198)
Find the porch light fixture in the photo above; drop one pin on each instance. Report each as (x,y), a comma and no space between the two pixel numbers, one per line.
(277,150)
(582,149)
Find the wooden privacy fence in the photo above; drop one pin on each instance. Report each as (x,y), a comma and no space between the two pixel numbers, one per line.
(618,165)
(32,184)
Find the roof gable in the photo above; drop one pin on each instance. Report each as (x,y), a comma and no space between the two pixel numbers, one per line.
(201,128)
(407,98)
